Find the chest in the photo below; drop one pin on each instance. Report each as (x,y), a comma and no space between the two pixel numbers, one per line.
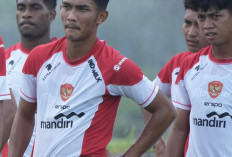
(15,63)
(61,80)
(209,88)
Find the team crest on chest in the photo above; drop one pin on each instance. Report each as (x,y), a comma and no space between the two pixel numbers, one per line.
(215,88)
(66,91)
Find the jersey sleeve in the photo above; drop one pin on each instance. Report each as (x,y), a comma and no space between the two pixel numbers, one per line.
(180,96)
(4,90)
(28,85)
(168,74)
(164,78)
(132,84)
(163,85)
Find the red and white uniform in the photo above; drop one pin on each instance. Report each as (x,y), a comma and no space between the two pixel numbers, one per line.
(77,101)
(168,74)
(205,88)
(16,56)
(4,90)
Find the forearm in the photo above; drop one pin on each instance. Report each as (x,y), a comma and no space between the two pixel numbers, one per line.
(178,134)
(156,125)
(174,148)
(146,115)
(9,113)
(160,146)
(20,135)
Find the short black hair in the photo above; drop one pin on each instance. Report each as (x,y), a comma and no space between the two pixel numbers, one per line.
(205,5)
(51,4)
(101,4)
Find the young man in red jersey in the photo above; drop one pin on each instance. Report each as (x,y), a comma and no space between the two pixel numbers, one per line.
(34,18)
(77,100)
(195,41)
(202,92)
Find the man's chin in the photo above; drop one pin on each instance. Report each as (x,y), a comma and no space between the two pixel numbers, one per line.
(27,35)
(72,38)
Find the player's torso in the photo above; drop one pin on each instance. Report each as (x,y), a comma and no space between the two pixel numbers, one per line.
(209,87)
(70,95)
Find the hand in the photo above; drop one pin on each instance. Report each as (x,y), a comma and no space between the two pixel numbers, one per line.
(160,148)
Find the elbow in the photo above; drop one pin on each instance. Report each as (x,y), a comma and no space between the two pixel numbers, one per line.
(171,113)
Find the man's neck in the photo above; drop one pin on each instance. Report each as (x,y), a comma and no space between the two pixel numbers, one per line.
(223,51)
(78,49)
(32,43)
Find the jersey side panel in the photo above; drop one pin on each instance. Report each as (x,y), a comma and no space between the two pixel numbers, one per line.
(4,91)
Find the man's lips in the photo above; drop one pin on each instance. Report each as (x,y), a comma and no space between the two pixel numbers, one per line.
(72,27)
(210,35)
(27,23)
(192,42)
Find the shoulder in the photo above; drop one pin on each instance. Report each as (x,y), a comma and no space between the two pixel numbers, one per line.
(118,68)
(192,61)
(177,60)
(194,58)
(174,63)
(45,51)
(11,49)
(40,54)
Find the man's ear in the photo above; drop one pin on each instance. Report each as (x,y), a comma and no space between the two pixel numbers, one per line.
(102,16)
(52,15)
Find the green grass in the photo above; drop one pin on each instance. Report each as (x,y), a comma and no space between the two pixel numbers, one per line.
(119,145)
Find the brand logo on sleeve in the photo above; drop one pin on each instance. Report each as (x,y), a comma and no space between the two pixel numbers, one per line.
(66,91)
(117,67)
(214,89)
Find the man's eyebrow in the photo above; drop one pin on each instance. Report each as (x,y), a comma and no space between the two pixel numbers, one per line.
(65,3)
(186,20)
(82,6)
(32,4)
